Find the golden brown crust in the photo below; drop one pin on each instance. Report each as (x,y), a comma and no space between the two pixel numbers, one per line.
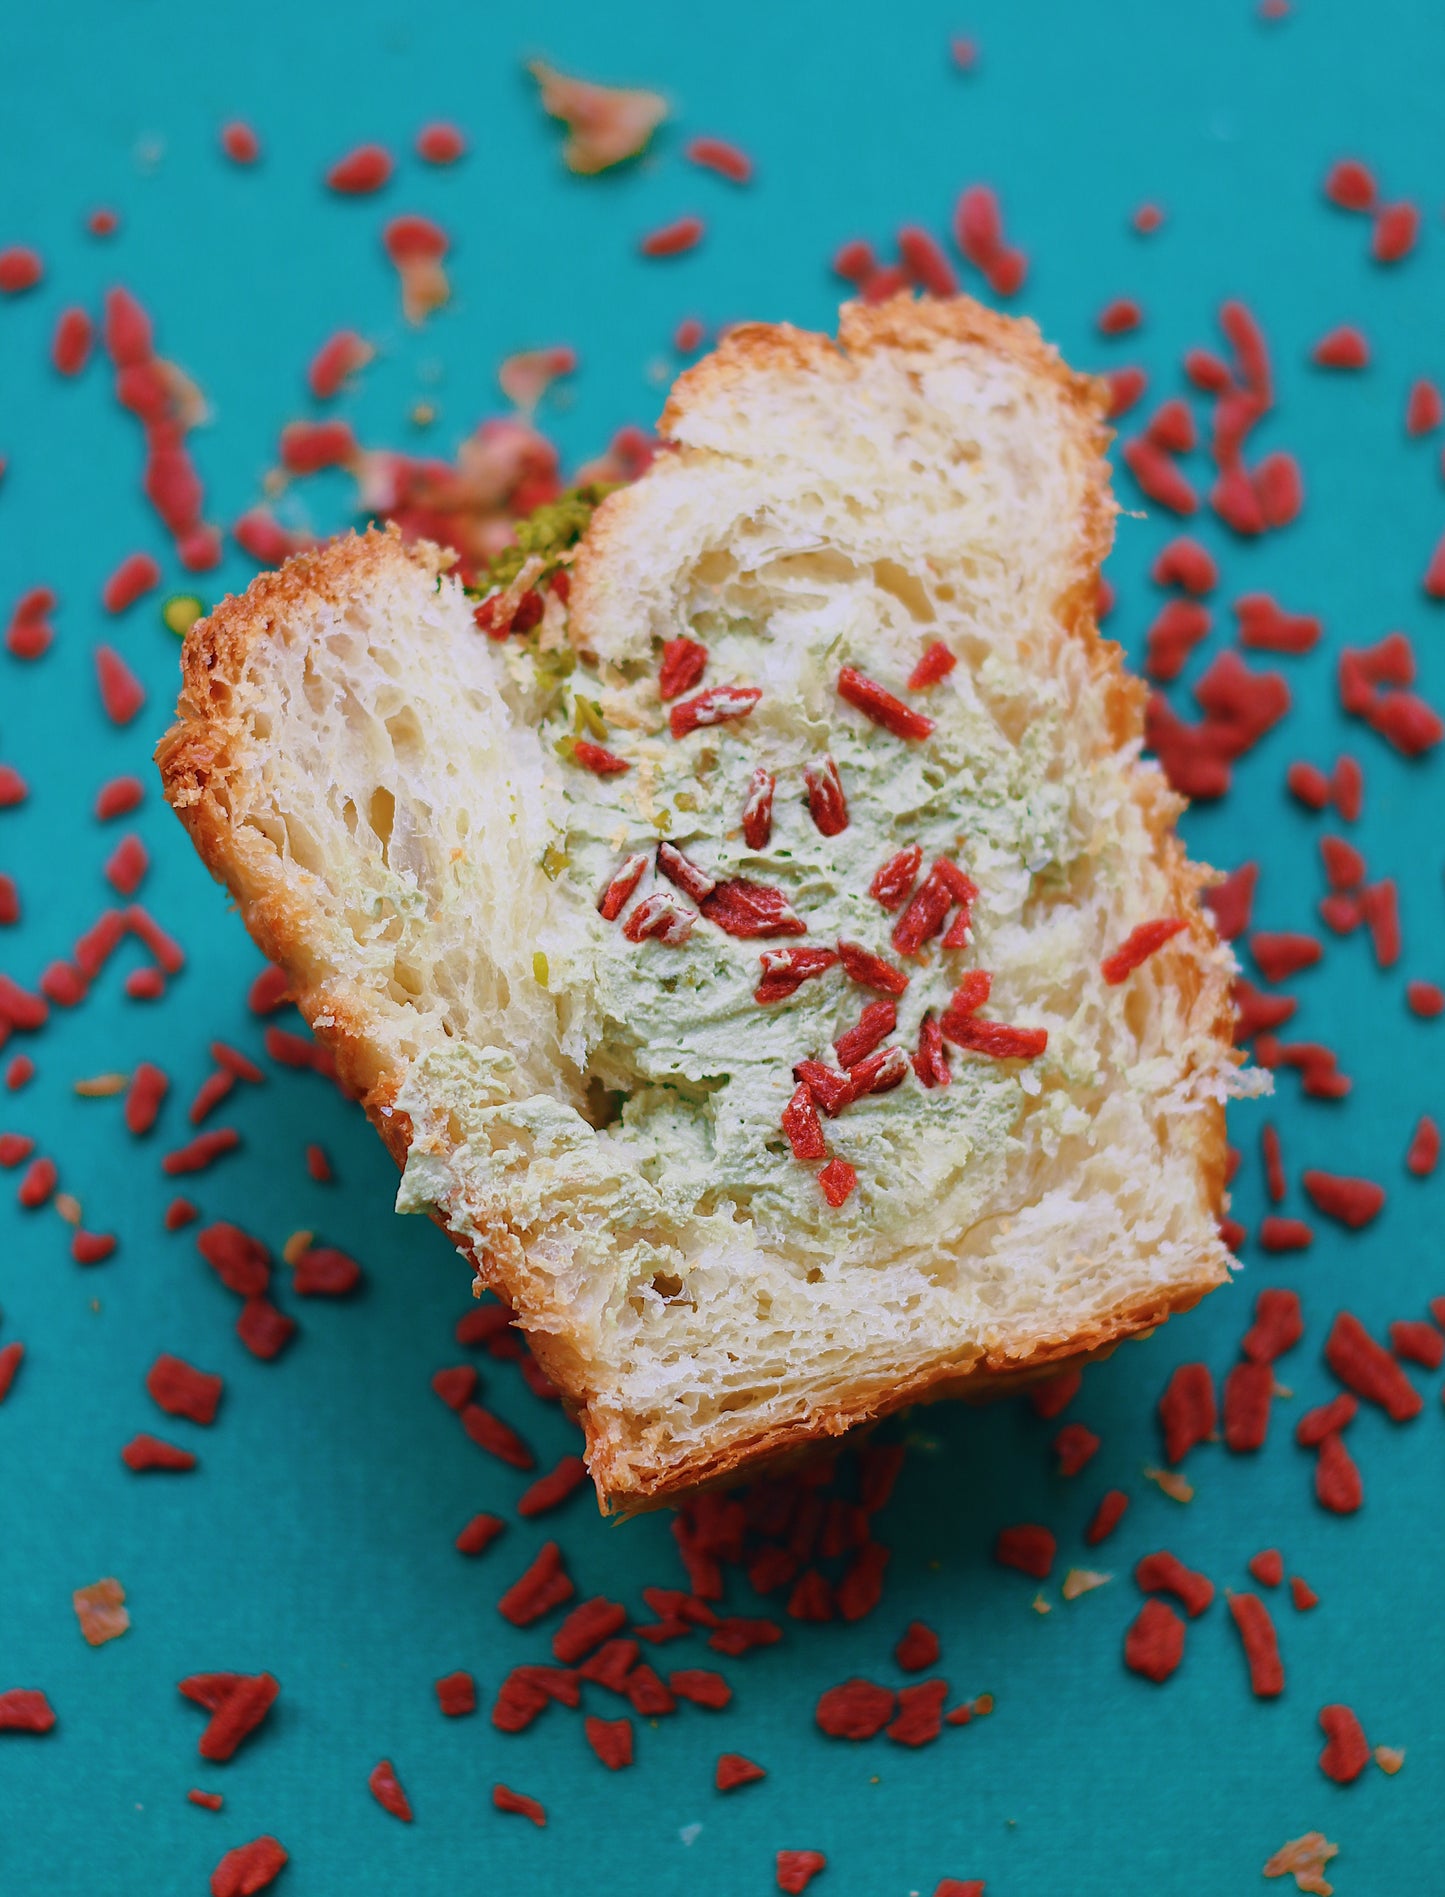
(200,754)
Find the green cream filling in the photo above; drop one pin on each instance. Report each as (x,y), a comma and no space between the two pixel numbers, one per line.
(687,1075)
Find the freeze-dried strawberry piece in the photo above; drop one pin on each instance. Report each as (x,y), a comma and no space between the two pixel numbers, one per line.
(758,809)
(241,1262)
(610,1739)
(802,1126)
(237,1703)
(499,1439)
(505,1799)
(837,1180)
(830,1089)
(746,909)
(456,1694)
(920,1713)
(685,874)
(249,1868)
(972,992)
(1154,1644)
(944,885)
(734,1770)
(1347,1751)
(720,704)
(321,1271)
(1164,1573)
(894,880)
(1027,1547)
(598,759)
(181,1390)
(936,663)
(1369,1370)
(1141,942)
(918,1648)
(587,1626)
(797,1869)
(683,664)
(701,1686)
(25,1709)
(993,1038)
(1187,1410)
(870,970)
(879,1073)
(544,1585)
(661,918)
(386,1788)
(855,1710)
(930,1062)
(614,897)
(867,696)
(827,805)
(786,969)
(874,1025)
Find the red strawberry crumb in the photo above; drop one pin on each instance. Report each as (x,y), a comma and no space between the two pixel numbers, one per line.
(733,1769)
(479,1534)
(1154,1644)
(1415,1341)
(1350,185)
(1346,1752)
(1342,348)
(1028,1547)
(1075,1446)
(385,1787)
(237,1703)
(1261,1645)
(456,1694)
(1187,1410)
(263,1329)
(549,1490)
(611,1740)
(1425,408)
(239,143)
(1353,1202)
(837,1180)
(1267,1567)
(672,240)
(1423,1153)
(360,172)
(797,1869)
(1338,1486)
(858,1709)
(1106,1517)
(918,1648)
(249,1868)
(505,1799)
(1165,1573)
(440,144)
(1397,227)
(180,1390)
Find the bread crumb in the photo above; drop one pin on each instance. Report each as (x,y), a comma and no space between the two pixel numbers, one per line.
(1083,1581)
(1304,1859)
(1390,1758)
(1177,1487)
(100,1609)
(101,1086)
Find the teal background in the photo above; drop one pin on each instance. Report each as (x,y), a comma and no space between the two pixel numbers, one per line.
(315,1540)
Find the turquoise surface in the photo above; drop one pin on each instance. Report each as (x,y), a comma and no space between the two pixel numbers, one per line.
(315,1540)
